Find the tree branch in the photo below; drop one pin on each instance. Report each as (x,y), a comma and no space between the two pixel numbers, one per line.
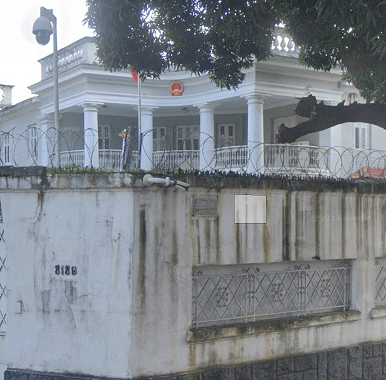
(323,117)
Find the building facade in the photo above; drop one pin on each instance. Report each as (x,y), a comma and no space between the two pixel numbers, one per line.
(186,122)
(110,278)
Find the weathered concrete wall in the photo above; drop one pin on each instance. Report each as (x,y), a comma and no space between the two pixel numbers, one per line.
(80,321)
(301,224)
(127,311)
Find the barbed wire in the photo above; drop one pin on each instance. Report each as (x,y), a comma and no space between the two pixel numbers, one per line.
(192,152)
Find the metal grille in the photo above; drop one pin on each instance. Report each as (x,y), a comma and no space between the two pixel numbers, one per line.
(3,287)
(250,296)
(380,283)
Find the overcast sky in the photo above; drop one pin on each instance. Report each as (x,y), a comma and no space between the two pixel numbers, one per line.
(19,49)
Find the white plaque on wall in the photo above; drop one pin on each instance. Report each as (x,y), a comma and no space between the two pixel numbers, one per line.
(250,209)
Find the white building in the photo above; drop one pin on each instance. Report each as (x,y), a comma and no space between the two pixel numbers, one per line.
(202,128)
(101,276)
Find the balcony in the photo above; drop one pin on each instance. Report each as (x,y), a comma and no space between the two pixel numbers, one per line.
(278,159)
(282,159)
(109,159)
(83,51)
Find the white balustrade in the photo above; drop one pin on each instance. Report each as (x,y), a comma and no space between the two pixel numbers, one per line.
(82,51)
(108,158)
(296,159)
(279,158)
(231,157)
(72,157)
(176,159)
(283,44)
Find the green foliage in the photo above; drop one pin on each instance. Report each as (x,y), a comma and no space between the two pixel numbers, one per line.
(218,37)
(222,37)
(346,34)
(74,169)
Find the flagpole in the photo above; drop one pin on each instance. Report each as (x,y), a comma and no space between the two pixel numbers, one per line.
(139,120)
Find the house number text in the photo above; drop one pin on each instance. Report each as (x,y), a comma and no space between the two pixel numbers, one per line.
(66,270)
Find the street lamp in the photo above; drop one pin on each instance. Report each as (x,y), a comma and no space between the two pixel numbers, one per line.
(43,27)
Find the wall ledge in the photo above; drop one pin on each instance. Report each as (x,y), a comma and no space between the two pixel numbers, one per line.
(378,312)
(204,334)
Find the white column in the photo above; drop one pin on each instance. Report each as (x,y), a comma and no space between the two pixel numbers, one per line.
(206,137)
(48,142)
(338,161)
(90,128)
(255,134)
(147,138)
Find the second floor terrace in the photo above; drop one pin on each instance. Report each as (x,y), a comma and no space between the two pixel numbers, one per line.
(84,52)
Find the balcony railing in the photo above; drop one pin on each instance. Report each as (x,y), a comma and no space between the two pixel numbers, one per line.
(285,159)
(72,157)
(176,159)
(299,159)
(110,159)
(231,157)
(283,44)
(79,52)
(84,51)
(278,158)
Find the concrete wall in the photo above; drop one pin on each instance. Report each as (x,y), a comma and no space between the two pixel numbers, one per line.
(78,322)
(128,310)
(300,225)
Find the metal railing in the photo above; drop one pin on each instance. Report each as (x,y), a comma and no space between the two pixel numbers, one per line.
(250,296)
(3,289)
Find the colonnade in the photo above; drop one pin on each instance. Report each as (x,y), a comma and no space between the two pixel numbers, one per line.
(255,105)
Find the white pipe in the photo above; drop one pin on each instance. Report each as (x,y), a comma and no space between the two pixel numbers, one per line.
(160,181)
(148,180)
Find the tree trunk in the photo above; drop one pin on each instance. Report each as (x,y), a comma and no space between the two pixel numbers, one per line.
(323,117)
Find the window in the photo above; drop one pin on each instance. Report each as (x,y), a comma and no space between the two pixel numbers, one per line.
(226,135)
(159,139)
(6,142)
(104,136)
(32,142)
(187,137)
(360,137)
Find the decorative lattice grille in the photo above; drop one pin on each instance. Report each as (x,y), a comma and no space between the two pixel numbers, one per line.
(3,287)
(256,294)
(380,282)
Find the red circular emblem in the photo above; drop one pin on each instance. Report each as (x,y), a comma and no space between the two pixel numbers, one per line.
(176,88)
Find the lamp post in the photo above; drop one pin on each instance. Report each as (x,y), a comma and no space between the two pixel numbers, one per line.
(43,27)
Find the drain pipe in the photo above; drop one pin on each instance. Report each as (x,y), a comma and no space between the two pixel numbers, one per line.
(148,180)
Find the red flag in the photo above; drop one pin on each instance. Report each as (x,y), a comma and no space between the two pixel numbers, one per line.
(134,75)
